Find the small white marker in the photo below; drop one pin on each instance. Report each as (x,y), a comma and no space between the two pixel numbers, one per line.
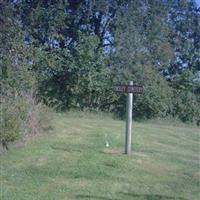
(107,144)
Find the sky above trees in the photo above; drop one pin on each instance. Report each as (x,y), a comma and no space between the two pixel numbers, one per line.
(198,2)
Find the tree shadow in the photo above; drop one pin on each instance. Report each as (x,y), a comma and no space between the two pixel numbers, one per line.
(65,147)
(94,197)
(132,196)
(151,196)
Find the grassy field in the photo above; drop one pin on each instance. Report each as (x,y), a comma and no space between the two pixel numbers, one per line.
(73,162)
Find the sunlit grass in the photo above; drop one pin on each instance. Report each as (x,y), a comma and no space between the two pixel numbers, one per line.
(73,162)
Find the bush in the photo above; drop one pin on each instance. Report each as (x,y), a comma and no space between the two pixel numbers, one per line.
(185,99)
(156,99)
(75,80)
(185,106)
(20,115)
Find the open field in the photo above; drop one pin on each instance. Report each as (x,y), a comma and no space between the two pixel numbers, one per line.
(73,162)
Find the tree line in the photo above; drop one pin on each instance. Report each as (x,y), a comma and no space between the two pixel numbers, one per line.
(67,54)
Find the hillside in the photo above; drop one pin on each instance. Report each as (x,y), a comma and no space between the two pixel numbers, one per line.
(73,162)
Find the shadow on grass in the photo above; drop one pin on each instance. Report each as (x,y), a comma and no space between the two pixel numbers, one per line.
(132,196)
(151,196)
(62,146)
(94,197)
(65,148)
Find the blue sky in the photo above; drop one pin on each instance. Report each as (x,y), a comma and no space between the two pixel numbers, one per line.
(198,2)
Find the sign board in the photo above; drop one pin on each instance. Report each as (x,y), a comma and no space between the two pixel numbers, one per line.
(130,89)
(136,89)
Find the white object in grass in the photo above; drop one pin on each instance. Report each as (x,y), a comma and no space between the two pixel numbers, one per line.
(107,144)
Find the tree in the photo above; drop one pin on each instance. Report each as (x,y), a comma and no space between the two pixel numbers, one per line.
(184,23)
(20,112)
(141,50)
(76,49)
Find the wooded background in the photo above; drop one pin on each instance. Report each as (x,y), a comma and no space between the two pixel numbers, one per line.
(68,54)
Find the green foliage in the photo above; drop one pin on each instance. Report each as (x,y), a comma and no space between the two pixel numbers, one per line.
(141,34)
(156,100)
(91,75)
(184,35)
(11,113)
(185,102)
(144,48)
(77,80)
(21,115)
(71,53)
(186,106)
(184,81)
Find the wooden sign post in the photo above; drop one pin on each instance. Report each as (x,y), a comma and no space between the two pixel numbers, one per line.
(130,89)
(129,108)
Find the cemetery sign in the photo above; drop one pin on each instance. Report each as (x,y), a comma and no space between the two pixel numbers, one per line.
(130,89)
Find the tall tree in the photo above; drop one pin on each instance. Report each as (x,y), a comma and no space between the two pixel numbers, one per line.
(184,23)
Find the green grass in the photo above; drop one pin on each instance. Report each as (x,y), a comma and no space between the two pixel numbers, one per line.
(72,162)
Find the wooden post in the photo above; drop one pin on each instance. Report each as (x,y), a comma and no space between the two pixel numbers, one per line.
(130,89)
(129,107)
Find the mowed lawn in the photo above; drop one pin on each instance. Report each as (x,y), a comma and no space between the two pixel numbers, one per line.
(73,162)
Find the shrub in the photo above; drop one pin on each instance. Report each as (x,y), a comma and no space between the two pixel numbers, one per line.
(185,106)
(156,99)
(20,115)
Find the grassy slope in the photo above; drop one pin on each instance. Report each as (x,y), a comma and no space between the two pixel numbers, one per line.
(73,163)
